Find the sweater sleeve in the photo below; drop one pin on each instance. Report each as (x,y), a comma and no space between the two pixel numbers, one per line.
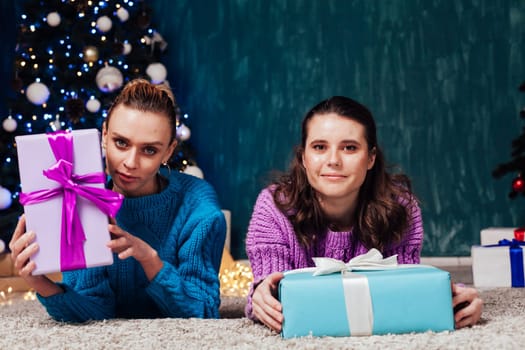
(267,242)
(188,286)
(87,296)
(409,250)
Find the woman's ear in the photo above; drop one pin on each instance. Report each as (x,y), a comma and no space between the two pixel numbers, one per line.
(170,150)
(104,135)
(372,158)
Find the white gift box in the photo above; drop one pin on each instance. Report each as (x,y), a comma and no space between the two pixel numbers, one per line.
(35,155)
(492,267)
(492,235)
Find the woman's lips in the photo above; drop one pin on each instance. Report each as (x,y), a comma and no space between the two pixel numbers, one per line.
(333,176)
(126,178)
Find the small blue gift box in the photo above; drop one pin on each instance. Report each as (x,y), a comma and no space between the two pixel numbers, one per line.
(408,298)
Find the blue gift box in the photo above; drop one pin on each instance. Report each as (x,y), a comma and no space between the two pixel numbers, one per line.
(409,298)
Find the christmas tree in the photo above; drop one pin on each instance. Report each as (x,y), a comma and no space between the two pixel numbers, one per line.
(72,57)
(517,164)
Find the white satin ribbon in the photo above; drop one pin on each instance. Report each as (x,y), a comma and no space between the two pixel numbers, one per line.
(358,302)
(372,260)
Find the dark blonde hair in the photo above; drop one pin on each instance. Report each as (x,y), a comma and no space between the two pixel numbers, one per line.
(381,215)
(144,96)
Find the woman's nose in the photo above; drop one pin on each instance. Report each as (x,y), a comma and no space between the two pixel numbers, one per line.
(334,159)
(131,159)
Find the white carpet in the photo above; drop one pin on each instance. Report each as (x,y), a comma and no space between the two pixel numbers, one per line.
(25,325)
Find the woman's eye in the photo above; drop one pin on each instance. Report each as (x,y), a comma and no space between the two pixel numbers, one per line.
(350,148)
(150,151)
(318,147)
(120,143)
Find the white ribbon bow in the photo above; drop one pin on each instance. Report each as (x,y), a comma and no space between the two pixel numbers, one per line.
(372,260)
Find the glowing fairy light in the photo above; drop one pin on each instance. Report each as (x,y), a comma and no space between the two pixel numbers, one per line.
(236,280)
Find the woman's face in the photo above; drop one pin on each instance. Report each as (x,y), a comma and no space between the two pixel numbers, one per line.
(336,157)
(136,143)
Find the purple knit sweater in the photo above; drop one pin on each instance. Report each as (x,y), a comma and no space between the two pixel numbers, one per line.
(272,246)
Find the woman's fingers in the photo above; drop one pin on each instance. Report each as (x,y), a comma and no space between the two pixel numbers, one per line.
(265,317)
(268,315)
(125,244)
(25,248)
(116,231)
(467,304)
(469,315)
(19,231)
(21,244)
(266,307)
(119,239)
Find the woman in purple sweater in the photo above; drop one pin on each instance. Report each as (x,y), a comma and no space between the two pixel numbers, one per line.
(337,201)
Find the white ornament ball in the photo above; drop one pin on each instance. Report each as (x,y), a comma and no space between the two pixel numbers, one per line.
(109,79)
(157,72)
(127,48)
(122,14)
(183,132)
(5,198)
(53,19)
(194,170)
(37,93)
(9,124)
(104,24)
(93,105)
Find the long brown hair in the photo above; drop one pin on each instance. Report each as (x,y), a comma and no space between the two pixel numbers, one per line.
(381,215)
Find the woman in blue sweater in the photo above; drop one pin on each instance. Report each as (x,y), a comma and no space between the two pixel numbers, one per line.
(168,236)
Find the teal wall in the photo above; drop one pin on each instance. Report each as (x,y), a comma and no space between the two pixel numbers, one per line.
(440,76)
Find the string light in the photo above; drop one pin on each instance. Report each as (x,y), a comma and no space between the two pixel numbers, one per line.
(9,296)
(236,280)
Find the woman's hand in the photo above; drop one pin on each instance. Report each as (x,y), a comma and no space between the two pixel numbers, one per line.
(265,305)
(23,247)
(126,245)
(467,305)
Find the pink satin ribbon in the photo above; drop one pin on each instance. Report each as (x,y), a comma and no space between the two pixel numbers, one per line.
(72,234)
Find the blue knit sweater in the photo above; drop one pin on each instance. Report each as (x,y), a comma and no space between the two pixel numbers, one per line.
(185,225)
